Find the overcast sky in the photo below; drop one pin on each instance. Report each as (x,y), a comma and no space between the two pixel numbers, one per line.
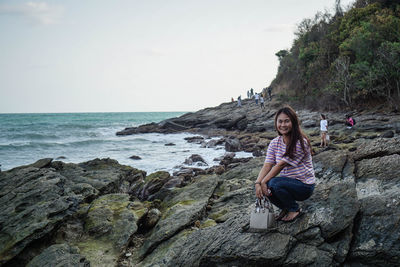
(131,55)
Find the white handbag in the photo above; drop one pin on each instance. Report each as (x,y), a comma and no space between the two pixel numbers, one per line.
(262,216)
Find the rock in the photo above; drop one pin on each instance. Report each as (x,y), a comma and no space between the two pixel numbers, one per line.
(170,144)
(34,202)
(309,123)
(111,221)
(105,175)
(38,201)
(388,134)
(377,148)
(148,128)
(232,145)
(135,157)
(219,170)
(151,218)
(195,158)
(59,255)
(257,153)
(377,226)
(42,163)
(242,124)
(181,211)
(61,157)
(172,126)
(210,144)
(194,139)
(320,237)
(146,189)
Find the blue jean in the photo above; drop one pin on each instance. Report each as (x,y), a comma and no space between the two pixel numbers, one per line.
(285,191)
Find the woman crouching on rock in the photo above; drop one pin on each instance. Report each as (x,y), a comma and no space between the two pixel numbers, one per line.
(289,156)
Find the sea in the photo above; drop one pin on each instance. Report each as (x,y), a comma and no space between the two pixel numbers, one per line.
(79,137)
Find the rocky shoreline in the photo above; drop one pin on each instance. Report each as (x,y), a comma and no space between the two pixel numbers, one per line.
(102,213)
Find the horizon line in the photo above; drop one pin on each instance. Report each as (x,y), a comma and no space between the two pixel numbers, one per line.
(76,112)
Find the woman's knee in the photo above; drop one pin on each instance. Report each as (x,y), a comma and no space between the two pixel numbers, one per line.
(272,183)
(275,184)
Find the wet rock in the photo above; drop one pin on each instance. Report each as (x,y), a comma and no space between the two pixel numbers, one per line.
(210,144)
(257,153)
(195,159)
(232,145)
(170,144)
(194,139)
(135,157)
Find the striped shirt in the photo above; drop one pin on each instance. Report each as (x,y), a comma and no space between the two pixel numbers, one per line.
(299,167)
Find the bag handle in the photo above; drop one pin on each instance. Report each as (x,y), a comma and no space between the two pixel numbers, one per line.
(264,203)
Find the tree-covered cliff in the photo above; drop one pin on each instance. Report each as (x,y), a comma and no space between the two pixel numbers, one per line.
(350,58)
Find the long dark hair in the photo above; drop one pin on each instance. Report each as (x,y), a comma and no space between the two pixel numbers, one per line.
(296,134)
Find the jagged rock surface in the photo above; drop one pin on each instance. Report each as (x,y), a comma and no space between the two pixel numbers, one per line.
(200,218)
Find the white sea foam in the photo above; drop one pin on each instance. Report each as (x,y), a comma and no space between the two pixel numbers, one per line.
(83,137)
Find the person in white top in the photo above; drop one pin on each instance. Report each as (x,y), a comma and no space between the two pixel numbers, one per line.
(324,130)
(256,97)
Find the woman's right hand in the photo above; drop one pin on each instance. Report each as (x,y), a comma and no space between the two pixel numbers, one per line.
(259,191)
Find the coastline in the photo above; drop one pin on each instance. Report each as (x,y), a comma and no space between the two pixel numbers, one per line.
(107,214)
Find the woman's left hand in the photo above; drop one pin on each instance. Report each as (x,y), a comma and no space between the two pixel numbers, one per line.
(264,188)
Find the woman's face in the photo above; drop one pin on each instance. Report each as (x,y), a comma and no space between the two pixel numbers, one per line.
(284,124)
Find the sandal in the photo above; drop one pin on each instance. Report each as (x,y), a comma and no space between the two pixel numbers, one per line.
(299,214)
(281,215)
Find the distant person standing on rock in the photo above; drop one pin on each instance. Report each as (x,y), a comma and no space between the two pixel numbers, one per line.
(324,130)
(269,92)
(256,97)
(239,101)
(262,102)
(251,92)
(288,155)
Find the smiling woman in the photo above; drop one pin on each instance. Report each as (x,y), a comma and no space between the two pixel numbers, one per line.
(288,155)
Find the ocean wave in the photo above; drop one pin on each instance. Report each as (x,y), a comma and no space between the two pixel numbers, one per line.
(32,136)
(21,146)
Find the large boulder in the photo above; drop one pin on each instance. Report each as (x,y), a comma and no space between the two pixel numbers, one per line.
(321,237)
(40,199)
(34,201)
(377,227)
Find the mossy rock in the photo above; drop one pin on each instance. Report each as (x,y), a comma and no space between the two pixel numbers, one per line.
(216,216)
(157,176)
(208,223)
(110,222)
(170,208)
